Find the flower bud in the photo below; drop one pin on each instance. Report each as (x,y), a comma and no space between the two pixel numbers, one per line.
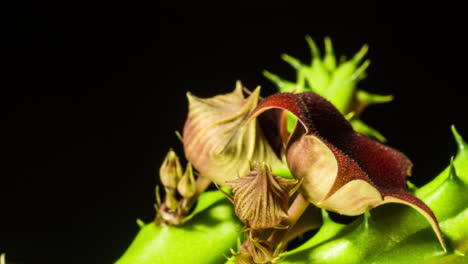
(171,170)
(187,186)
(171,201)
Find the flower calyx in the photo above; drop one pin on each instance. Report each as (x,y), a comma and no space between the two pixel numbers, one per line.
(261,199)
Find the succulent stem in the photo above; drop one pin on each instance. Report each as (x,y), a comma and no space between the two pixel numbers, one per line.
(310,220)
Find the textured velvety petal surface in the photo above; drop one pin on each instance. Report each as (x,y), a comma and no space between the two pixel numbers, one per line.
(216,143)
(385,167)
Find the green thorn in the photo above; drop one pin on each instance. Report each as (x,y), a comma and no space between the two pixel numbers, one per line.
(361,77)
(280,83)
(313,48)
(140,223)
(380,99)
(411,186)
(452,171)
(326,217)
(366,218)
(360,70)
(350,115)
(295,63)
(283,85)
(270,76)
(362,127)
(329,60)
(369,98)
(360,54)
(459,139)
(328,45)
(458,253)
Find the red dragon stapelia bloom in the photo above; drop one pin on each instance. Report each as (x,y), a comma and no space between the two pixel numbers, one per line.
(342,170)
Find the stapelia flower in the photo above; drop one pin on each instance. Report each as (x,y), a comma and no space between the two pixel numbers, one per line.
(215,141)
(261,198)
(342,170)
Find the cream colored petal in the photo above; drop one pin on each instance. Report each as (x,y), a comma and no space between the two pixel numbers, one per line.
(310,159)
(331,179)
(353,198)
(217,143)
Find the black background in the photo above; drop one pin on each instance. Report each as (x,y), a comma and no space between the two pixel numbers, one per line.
(91,99)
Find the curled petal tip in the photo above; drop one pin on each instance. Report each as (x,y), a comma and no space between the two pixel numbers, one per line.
(421,207)
(216,142)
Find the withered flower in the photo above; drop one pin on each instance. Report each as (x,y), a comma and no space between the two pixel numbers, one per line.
(255,250)
(342,170)
(216,143)
(261,198)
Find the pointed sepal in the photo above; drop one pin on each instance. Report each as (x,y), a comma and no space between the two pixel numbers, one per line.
(261,198)
(187,186)
(170,171)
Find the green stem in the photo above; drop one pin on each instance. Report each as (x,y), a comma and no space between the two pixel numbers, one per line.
(310,220)
(296,210)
